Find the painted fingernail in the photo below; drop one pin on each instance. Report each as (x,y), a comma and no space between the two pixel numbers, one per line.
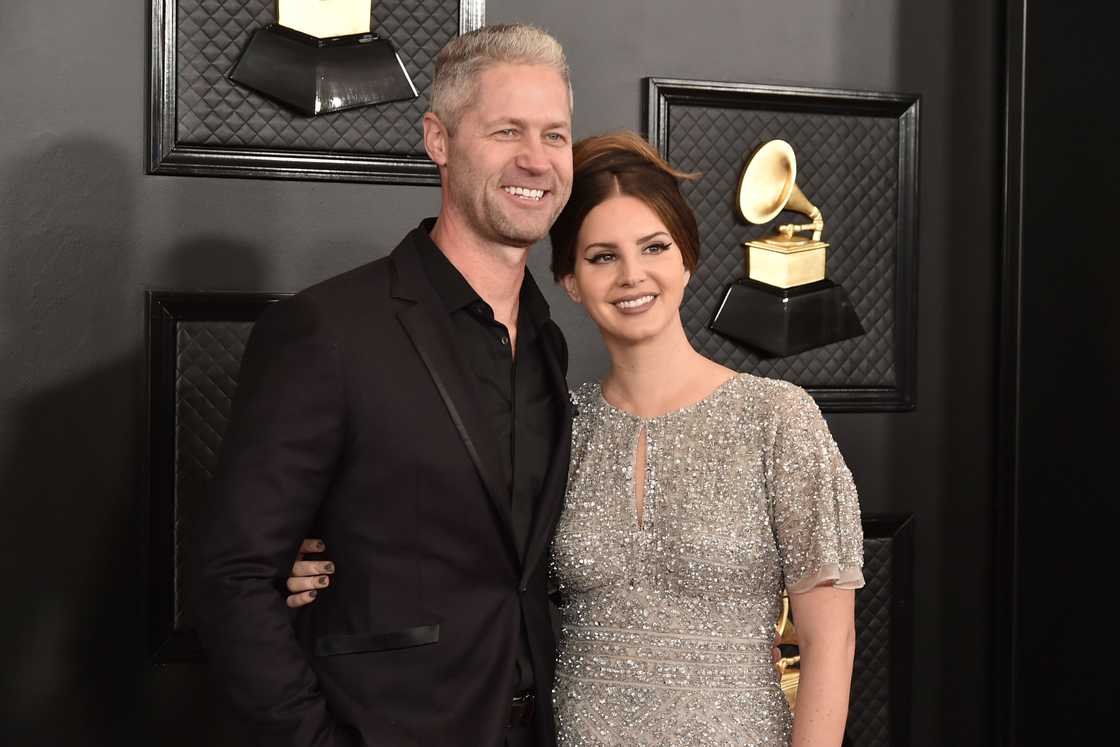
(328,568)
(323,580)
(312,593)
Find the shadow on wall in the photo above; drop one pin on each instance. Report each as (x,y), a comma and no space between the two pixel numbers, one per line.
(67,444)
(209,262)
(71,452)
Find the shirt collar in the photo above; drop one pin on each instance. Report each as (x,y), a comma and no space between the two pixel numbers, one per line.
(450,285)
(456,293)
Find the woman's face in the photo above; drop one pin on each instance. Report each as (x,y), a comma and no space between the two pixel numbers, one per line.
(629,273)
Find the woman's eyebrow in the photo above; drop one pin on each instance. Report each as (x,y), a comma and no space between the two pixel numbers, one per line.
(639,240)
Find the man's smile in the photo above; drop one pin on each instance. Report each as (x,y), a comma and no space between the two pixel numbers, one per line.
(525,193)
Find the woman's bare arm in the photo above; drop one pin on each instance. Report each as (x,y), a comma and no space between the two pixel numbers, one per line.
(825,620)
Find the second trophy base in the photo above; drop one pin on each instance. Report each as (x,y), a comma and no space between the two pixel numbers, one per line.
(318,76)
(783,321)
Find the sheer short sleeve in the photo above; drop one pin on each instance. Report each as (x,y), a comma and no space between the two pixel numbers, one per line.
(813,500)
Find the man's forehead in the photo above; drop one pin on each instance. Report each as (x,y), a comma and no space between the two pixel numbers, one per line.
(525,92)
(498,77)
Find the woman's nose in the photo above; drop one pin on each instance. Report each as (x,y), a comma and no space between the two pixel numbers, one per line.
(629,273)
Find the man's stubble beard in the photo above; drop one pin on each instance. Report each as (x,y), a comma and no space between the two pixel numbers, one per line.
(492,223)
(509,232)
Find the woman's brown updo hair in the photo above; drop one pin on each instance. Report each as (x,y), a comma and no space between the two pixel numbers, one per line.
(622,163)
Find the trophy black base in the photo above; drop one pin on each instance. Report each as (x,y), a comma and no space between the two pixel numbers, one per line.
(318,76)
(783,321)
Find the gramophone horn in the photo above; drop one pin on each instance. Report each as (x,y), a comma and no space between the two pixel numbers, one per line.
(768,186)
(761,310)
(768,181)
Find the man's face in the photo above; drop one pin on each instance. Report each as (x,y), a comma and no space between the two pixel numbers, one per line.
(509,157)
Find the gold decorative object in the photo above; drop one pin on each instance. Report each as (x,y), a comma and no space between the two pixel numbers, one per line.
(767,186)
(789,667)
(326,18)
(785,304)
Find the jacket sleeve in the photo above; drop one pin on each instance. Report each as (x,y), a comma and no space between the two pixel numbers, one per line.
(284,439)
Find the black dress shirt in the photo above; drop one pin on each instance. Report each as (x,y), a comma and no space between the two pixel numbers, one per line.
(514,390)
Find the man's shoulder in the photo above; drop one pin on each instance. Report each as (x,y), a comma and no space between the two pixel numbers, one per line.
(355,297)
(365,285)
(362,282)
(330,306)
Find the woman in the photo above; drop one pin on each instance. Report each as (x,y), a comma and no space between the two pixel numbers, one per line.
(695,496)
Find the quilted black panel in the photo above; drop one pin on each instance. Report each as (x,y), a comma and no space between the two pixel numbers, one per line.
(869,717)
(847,165)
(208,357)
(213,111)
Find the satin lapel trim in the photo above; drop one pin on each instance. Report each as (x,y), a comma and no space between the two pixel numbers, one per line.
(434,343)
(556,479)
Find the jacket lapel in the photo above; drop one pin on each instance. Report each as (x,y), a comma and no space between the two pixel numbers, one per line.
(430,332)
(556,478)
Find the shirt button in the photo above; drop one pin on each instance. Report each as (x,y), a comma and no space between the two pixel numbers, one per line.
(504,340)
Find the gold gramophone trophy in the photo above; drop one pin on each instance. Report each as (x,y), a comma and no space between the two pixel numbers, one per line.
(786,304)
(323,57)
(789,664)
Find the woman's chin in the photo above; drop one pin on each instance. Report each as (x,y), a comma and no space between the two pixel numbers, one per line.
(632,334)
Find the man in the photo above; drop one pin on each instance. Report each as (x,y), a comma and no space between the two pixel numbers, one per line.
(414,413)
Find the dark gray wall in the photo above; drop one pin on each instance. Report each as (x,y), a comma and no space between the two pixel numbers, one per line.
(83,232)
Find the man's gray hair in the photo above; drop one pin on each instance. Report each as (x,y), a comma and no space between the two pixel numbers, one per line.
(459,64)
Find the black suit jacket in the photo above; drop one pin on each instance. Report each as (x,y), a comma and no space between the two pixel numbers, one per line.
(354,421)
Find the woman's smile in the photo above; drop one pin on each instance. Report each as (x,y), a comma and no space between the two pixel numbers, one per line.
(635,304)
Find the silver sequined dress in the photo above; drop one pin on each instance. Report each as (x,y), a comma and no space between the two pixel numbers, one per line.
(667,628)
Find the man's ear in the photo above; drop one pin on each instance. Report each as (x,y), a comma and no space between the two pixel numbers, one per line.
(569,283)
(435,139)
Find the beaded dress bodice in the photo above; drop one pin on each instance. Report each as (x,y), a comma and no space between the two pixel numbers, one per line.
(668,622)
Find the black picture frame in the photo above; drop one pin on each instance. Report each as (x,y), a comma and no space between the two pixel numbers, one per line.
(169,639)
(881,710)
(167,154)
(899,113)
